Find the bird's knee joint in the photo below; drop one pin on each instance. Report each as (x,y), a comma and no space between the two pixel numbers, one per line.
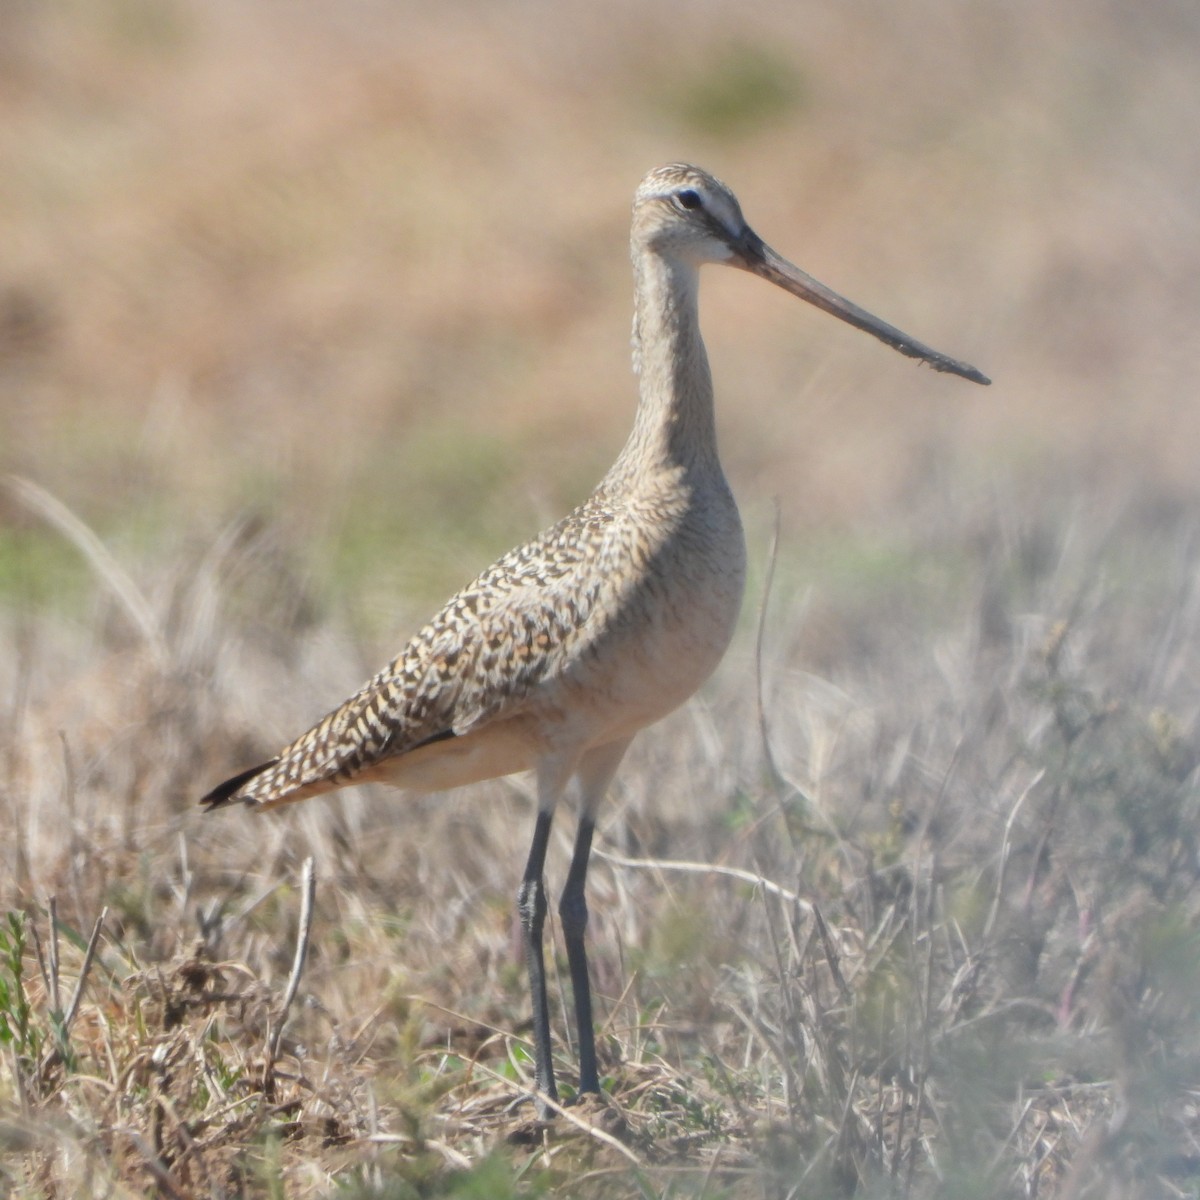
(573,913)
(531,904)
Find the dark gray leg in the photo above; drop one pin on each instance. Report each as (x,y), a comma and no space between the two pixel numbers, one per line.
(572,910)
(531,903)
(595,772)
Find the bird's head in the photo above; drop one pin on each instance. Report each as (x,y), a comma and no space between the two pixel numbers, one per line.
(684,214)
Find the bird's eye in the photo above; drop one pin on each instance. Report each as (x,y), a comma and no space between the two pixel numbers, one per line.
(688,198)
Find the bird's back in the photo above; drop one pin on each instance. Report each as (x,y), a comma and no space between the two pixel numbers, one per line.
(604,622)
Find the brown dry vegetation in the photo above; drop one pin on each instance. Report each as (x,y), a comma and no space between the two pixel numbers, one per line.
(307,310)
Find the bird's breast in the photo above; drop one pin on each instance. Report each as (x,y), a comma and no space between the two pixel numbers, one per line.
(672,575)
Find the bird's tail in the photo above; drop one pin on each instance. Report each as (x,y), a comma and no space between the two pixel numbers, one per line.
(227,792)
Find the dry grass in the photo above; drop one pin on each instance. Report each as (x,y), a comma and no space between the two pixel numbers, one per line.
(927,928)
(304,316)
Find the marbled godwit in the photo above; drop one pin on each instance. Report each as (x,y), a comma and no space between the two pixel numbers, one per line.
(561,651)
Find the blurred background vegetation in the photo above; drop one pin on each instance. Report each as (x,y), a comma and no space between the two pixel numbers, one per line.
(361,266)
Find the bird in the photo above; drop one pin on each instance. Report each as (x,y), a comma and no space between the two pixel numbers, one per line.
(566,647)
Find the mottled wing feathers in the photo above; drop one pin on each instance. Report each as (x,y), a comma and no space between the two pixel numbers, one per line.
(492,644)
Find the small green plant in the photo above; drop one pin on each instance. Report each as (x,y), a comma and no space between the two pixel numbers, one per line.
(17,1027)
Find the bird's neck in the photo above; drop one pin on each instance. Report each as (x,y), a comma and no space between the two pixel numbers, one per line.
(674,428)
